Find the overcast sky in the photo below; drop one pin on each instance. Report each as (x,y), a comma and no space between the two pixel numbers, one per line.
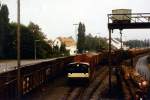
(56,17)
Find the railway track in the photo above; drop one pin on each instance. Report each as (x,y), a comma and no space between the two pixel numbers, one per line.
(97,94)
(129,88)
(76,94)
(86,92)
(93,87)
(127,91)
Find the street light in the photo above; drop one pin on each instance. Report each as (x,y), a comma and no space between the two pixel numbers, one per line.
(18,51)
(76,31)
(35,48)
(76,37)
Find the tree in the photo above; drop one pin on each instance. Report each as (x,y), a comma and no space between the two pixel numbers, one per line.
(1,34)
(27,42)
(81,38)
(36,30)
(63,51)
(138,43)
(95,43)
(4,31)
(56,51)
(62,48)
(29,34)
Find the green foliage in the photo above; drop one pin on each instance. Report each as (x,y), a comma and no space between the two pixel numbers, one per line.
(95,43)
(63,50)
(138,43)
(34,28)
(4,30)
(4,14)
(28,38)
(29,35)
(88,42)
(81,38)
(28,42)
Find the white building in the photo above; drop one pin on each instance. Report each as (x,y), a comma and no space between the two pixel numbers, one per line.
(57,42)
(69,43)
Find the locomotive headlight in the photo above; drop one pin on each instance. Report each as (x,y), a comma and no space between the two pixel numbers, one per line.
(144,83)
(86,74)
(69,74)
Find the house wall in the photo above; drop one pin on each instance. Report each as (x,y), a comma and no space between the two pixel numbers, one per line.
(57,42)
(72,50)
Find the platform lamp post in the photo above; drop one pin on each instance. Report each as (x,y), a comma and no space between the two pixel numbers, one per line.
(18,52)
(35,42)
(76,30)
(76,34)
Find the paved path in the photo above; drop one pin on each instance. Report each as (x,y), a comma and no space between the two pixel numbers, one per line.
(7,65)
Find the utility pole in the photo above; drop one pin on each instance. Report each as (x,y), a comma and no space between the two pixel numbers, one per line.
(76,35)
(109,61)
(18,52)
(76,31)
(121,38)
(35,49)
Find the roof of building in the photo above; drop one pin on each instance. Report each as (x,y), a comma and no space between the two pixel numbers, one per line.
(67,41)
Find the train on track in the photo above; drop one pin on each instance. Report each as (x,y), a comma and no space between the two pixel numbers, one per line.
(32,76)
(83,67)
(78,71)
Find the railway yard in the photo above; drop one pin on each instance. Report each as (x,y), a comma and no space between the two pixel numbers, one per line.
(85,65)
(48,79)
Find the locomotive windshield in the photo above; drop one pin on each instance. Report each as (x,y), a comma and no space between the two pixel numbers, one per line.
(78,68)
